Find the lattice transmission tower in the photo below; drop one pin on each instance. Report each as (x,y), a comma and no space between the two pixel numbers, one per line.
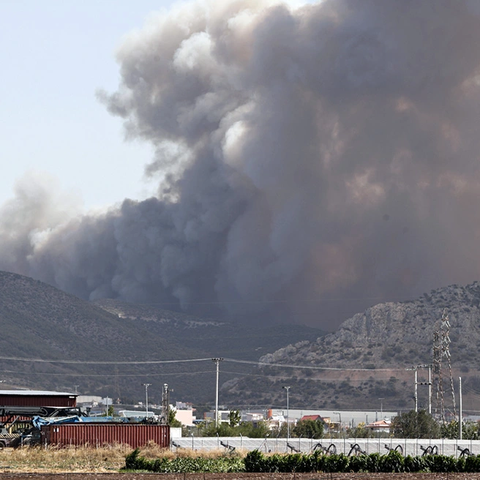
(441,356)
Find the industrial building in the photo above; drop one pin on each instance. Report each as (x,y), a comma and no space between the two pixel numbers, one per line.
(43,417)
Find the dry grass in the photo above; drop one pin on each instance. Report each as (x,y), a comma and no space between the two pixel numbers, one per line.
(84,459)
(56,460)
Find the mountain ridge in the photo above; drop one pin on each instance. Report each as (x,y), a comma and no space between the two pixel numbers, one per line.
(41,322)
(374,352)
(369,357)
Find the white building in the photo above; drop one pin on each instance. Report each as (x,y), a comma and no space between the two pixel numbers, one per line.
(184,413)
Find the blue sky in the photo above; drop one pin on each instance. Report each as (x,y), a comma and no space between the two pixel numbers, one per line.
(54,56)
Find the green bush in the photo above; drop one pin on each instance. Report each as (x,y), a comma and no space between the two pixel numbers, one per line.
(256,461)
(358,464)
(336,463)
(442,463)
(373,463)
(414,464)
(184,465)
(472,464)
(393,462)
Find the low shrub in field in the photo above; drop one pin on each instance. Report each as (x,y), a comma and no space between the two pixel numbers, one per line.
(443,464)
(256,461)
(472,464)
(183,464)
(415,464)
(393,462)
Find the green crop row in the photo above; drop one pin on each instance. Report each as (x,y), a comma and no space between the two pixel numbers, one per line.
(255,461)
(184,464)
(392,462)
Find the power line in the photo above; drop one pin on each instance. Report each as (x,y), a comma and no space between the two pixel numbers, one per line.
(110,374)
(310,367)
(192,360)
(94,362)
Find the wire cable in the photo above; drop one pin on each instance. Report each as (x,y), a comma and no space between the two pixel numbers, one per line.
(94,362)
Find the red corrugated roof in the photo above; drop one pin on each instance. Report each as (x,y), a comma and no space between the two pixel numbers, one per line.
(311,417)
(379,424)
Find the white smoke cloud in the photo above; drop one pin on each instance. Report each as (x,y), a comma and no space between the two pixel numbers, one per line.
(302,152)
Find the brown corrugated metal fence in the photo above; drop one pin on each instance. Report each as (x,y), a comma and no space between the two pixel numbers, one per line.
(99,434)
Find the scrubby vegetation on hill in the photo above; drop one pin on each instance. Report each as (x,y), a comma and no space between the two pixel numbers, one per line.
(372,352)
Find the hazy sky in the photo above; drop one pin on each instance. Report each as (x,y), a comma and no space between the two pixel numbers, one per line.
(300,156)
(54,56)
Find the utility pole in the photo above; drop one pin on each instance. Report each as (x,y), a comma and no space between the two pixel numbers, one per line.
(429,383)
(165,403)
(287,388)
(416,390)
(415,394)
(429,389)
(460,411)
(217,363)
(146,385)
(339,420)
(381,408)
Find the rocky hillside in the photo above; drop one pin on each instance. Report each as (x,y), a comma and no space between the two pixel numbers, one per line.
(41,322)
(381,343)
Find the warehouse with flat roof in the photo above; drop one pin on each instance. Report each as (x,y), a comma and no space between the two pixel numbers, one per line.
(37,398)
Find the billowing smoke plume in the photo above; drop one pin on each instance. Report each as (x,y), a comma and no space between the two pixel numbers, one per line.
(328,151)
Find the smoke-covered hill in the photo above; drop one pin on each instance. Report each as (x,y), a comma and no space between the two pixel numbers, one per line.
(370,354)
(242,341)
(43,323)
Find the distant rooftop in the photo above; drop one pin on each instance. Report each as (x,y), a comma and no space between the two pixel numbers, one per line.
(44,393)
(312,417)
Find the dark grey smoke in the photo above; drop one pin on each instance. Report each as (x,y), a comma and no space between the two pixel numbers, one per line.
(329,151)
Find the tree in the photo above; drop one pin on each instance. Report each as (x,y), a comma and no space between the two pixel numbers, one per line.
(246,429)
(360,432)
(172,421)
(280,431)
(415,425)
(211,430)
(309,429)
(470,430)
(249,429)
(234,418)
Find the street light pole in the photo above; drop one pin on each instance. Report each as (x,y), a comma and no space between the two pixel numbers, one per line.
(460,412)
(146,385)
(339,419)
(287,388)
(381,408)
(217,363)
